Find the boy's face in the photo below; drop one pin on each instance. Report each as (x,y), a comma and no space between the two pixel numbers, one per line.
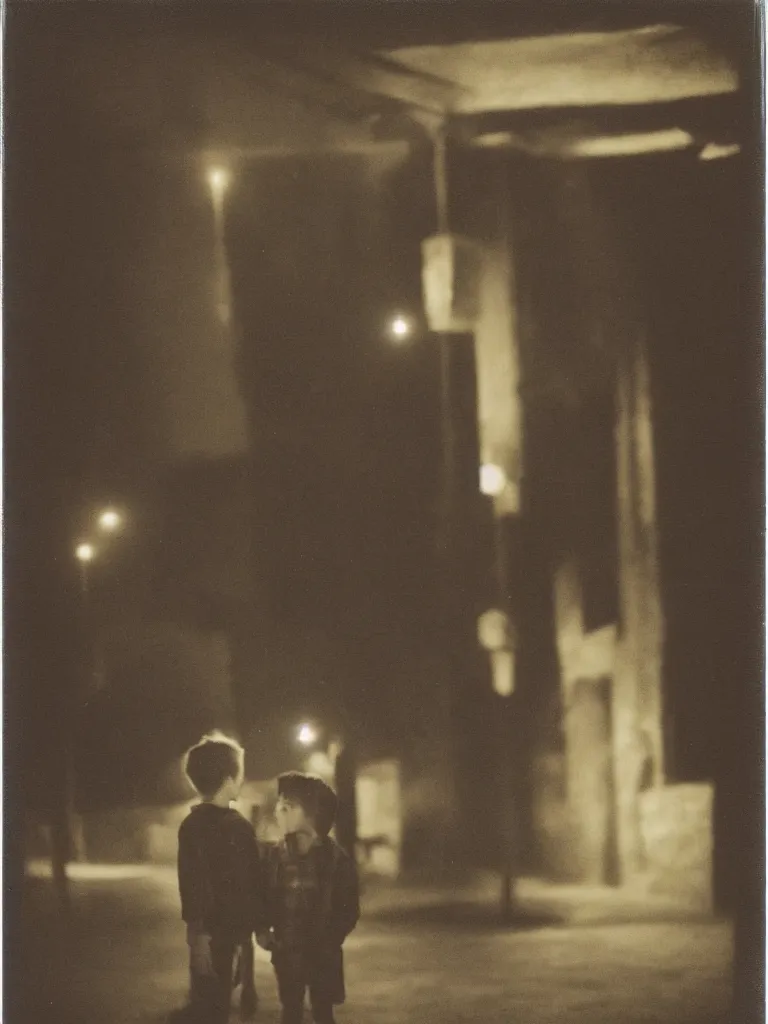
(291,817)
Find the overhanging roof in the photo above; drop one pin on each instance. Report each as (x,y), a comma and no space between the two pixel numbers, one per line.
(275,93)
(656,64)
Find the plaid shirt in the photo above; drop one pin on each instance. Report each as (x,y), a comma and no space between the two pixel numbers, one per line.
(312,902)
(311,899)
(298,880)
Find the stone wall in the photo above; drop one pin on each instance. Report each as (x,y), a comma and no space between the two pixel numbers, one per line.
(676,830)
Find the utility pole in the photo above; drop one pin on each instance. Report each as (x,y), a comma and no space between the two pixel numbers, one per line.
(450,619)
(508,738)
(345,779)
(64,827)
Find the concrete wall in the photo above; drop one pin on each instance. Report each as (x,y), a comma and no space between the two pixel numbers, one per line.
(677,835)
(664,833)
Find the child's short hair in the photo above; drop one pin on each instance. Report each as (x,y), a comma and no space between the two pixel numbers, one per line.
(315,796)
(212,761)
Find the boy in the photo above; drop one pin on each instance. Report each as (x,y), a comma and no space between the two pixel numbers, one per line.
(311,900)
(219,882)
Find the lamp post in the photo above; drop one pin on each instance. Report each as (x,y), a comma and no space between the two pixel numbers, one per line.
(219,179)
(450,319)
(110,520)
(497,636)
(401,329)
(86,553)
(66,844)
(64,831)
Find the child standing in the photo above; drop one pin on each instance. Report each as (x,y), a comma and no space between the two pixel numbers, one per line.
(311,900)
(219,879)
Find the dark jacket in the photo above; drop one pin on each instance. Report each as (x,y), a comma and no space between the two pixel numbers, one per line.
(219,873)
(338,909)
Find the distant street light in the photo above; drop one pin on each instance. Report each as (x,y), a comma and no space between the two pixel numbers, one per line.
(218,179)
(110,520)
(65,844)
(493,480)
(307,736)
(401,328)
(85,552)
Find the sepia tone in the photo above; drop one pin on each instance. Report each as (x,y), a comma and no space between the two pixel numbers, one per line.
(383,389)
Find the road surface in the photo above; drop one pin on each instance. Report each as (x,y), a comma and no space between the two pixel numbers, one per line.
(123,960)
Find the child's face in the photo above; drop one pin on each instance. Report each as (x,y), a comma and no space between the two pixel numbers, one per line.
(291,817)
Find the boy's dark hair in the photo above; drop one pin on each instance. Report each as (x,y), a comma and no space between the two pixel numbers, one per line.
(315,796)
(212,761)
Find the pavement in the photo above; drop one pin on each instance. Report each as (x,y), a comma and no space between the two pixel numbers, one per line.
(427,956)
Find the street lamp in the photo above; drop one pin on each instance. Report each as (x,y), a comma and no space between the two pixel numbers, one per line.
(85,552)
(307,736)
(64,833)
(218,179)
(493,480)
(109,520)
(496,635)
(400,328)
(66,841)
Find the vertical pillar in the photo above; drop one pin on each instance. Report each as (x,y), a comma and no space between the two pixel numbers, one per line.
(638,723)
(587,672)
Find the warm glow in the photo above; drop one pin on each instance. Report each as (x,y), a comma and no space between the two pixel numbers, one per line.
(400,328)
(666,140)
(110,520)
(493,480)
(307,735)
(218,179)
(85,552)
(717,151)
(503,665)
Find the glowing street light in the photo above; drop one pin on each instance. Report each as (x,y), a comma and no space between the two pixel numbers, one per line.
(493,480)
(400,328)
(85,552)
(110,520)
(307,735)
(218,179)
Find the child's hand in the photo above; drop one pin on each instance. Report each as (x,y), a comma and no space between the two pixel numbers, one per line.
(200,956)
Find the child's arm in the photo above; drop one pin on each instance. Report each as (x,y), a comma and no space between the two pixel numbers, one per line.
(194,885)
(194,889)
(345,900)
